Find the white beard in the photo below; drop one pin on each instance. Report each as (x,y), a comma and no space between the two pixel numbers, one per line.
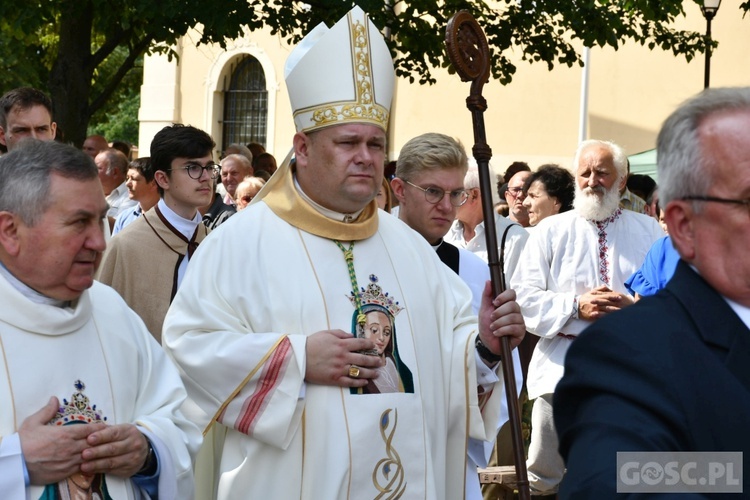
(596,203)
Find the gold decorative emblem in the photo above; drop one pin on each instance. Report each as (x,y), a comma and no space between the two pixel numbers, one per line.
(388,476)
(365,108)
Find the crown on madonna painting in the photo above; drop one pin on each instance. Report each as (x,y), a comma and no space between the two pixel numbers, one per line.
(78,410)
(373,297)
(341,75)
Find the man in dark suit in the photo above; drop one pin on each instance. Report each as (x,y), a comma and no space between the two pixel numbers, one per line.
(672,373)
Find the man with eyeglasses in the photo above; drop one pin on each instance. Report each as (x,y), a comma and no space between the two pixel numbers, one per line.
(672,372)
(467,231)
(429,187)
(514,197)
(146,261)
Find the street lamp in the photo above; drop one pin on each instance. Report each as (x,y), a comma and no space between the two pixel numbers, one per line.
(709,8)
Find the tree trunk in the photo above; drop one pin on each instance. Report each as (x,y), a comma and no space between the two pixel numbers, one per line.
(70,78)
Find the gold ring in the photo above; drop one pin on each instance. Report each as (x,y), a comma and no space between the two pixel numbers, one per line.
(354,371)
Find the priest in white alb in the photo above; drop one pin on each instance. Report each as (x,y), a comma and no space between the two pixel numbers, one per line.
(288,360)
(91,405)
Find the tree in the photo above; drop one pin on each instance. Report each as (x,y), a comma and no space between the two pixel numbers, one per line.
(70,45)
(73,41)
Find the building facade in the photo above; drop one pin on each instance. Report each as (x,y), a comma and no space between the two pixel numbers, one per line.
(238,94)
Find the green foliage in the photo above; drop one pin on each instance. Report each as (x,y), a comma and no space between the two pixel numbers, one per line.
(15,70)
(121,124)
(542,31)
(86,53)
(118,116)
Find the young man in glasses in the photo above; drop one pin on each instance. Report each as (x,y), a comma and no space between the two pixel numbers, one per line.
(159,244)
(429,185)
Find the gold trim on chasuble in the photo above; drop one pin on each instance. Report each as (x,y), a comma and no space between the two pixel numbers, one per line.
(364,109)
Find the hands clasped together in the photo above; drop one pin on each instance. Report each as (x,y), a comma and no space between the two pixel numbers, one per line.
(53,453)
(601,301)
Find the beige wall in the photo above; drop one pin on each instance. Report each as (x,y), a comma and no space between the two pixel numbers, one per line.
(535,118)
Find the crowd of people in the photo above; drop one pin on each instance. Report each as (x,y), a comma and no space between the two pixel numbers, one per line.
(177,327)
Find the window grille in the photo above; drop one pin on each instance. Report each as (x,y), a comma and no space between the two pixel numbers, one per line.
(245,105)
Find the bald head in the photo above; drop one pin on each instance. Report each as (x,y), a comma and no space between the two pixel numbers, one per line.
(94,144)
(514,197)
(113,167)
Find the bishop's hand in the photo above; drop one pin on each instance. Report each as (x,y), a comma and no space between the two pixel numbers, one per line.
(500,317)
(333,358)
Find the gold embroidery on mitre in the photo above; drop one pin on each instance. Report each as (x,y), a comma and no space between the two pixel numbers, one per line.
(364,109)
(389,469)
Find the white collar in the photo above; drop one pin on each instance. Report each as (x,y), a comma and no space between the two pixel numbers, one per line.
(186,227)
(29,292)
(742,311)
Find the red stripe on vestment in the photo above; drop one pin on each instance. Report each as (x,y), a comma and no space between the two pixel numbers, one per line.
(269,380)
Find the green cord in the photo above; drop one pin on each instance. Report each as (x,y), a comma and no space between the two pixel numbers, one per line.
(349,257)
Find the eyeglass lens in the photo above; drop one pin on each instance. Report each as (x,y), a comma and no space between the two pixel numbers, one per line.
(435,195)
(195,170)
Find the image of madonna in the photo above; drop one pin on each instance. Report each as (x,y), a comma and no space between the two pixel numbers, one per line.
(393,375)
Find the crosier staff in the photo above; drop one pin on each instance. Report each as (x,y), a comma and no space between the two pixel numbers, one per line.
(469,53)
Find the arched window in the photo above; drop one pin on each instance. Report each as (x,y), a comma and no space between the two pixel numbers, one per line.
(245,105)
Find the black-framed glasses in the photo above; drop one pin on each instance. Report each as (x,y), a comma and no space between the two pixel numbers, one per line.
(716,199)
(195,170)
(435,195)
(515,192)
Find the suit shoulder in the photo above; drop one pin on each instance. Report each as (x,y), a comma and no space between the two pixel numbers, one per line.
(647,322)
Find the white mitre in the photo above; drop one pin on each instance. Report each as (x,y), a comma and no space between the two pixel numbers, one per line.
(341,75)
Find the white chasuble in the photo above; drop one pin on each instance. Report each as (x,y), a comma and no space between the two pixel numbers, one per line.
(101,363)
(238,332)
